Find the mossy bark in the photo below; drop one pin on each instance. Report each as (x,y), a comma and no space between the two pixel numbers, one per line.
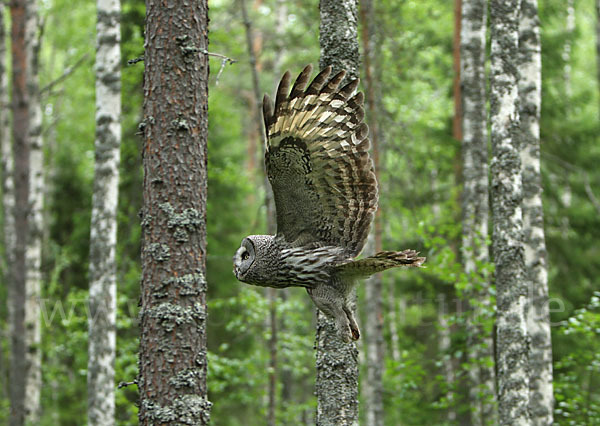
(172,361)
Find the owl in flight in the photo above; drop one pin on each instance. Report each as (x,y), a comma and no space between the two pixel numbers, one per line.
(325,195)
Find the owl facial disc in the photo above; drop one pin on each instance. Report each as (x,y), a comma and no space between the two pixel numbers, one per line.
(243,259)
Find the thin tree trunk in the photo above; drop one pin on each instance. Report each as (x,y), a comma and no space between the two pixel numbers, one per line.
(373,385)
(393,321)
(271,292)
(457,131)
(598,49)
(337,362)
(507,245)
(444,345)
(541,400)
(172,360)
(566,54)
(8,195)
(20,47)
(475,211)
(103,238)
(33,254)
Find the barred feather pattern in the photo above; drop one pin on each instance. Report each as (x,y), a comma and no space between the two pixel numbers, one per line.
(383,260)
(325,195)
(317,162)
(305,267)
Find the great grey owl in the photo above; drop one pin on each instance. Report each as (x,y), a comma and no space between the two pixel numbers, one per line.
(325,195)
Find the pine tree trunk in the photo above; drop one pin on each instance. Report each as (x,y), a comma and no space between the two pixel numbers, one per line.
(25,379)
(337,362)
(103,238)
(541,400)
(172,360)
(8,196)
(475,211)
(33,254)
(20,113)
(507,241)
(269,203)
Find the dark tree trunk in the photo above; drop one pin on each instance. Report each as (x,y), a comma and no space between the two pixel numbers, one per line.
(172,361)
(337,362)
(373,385)
(475,212)
(507,219)
(20,110)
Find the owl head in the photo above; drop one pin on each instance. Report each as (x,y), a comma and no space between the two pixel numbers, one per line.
(253,261)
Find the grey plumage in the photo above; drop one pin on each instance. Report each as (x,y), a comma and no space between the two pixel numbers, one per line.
(325,195)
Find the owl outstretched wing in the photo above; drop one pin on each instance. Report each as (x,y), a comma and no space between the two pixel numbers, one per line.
(317,162)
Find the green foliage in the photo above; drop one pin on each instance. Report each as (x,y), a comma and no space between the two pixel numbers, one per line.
(577,400)
(419,202)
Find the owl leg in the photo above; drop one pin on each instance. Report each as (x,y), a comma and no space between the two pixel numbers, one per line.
(352,322)
(333,307)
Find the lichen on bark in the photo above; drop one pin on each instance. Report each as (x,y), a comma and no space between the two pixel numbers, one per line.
(172,361)
(337,362)
(507,219)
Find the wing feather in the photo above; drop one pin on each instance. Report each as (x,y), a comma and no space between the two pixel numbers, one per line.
(318,163)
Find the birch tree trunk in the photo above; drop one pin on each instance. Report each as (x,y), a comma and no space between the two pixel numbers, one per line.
(373,385)
(172,360)
(103,236)
(541,399)
(33,254)
(8,195)
(475,212)
(337,362)
(511,287)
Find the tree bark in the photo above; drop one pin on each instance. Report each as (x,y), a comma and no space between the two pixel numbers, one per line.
(25,380)
(507,245)
(475,212)
(373,385)
(337,362)
(172,360)
(541,400)
(8,194)
(269,204)
(103,238)
(33,254)
(20,113)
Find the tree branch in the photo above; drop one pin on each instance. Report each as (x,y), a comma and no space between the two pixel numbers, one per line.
(66,73)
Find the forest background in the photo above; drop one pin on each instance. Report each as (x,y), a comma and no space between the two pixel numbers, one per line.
(425,343)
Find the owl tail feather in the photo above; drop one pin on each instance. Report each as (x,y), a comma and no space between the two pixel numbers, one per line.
(383,260)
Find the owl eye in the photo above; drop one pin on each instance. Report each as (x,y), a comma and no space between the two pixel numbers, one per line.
(245,255)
